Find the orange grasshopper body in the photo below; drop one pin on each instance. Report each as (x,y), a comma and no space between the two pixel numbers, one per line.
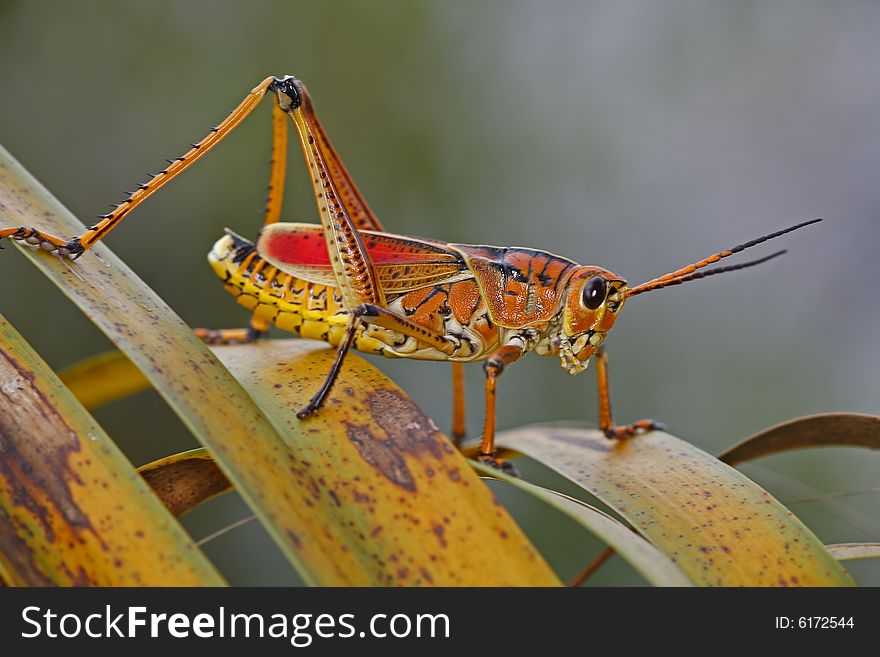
(474,298)
(348,282)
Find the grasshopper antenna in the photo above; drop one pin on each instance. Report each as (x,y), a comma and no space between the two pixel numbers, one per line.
(690,272)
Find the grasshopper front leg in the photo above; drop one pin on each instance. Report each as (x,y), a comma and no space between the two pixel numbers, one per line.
(606,423)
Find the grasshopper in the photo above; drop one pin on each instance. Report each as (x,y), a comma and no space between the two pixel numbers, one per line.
(348,282)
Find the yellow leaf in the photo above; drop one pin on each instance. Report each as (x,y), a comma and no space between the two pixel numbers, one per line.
(719,527)
(103,378)
(654,566)
(382,492)
(204,395)
(279,369)
(73,511)
(368,492)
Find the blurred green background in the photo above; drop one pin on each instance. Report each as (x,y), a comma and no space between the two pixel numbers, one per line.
(635,135)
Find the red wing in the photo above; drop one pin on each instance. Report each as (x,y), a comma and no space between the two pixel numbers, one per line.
(401,263)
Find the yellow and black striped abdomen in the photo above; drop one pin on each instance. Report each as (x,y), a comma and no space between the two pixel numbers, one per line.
(307,309)
(453,310)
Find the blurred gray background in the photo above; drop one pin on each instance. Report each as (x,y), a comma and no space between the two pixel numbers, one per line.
(636,135)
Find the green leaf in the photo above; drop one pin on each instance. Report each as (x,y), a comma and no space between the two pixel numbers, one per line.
(718,526)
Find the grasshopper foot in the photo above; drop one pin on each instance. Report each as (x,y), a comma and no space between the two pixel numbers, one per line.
(36,238)
(308,410)
(622,432)
(499,464)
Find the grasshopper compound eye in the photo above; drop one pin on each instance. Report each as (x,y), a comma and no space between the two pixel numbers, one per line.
(594,292)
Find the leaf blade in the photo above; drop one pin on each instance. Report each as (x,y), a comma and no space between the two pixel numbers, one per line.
(258,454)
(845,551)
(73,511)
(389,474)
(654,566)
(720,527)
(185,373)
(103,378)
(823,430)
(185,480)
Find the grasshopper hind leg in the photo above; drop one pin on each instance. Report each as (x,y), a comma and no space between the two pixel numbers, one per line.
(76,246)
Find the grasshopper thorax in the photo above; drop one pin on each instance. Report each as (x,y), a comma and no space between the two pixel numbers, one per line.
(593,298)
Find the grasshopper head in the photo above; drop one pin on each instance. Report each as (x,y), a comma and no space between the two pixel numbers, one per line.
(594,297)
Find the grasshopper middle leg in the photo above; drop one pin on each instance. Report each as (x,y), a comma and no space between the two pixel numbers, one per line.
(493,367)
(371,314)
(258,328)
(458,404)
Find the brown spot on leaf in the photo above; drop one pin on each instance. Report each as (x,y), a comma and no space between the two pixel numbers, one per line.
(18,554)
(294,538)
(404,422)
(382,454)
(78,578)
(35,464)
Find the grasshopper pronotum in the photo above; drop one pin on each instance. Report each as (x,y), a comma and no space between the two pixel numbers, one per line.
(348,282)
